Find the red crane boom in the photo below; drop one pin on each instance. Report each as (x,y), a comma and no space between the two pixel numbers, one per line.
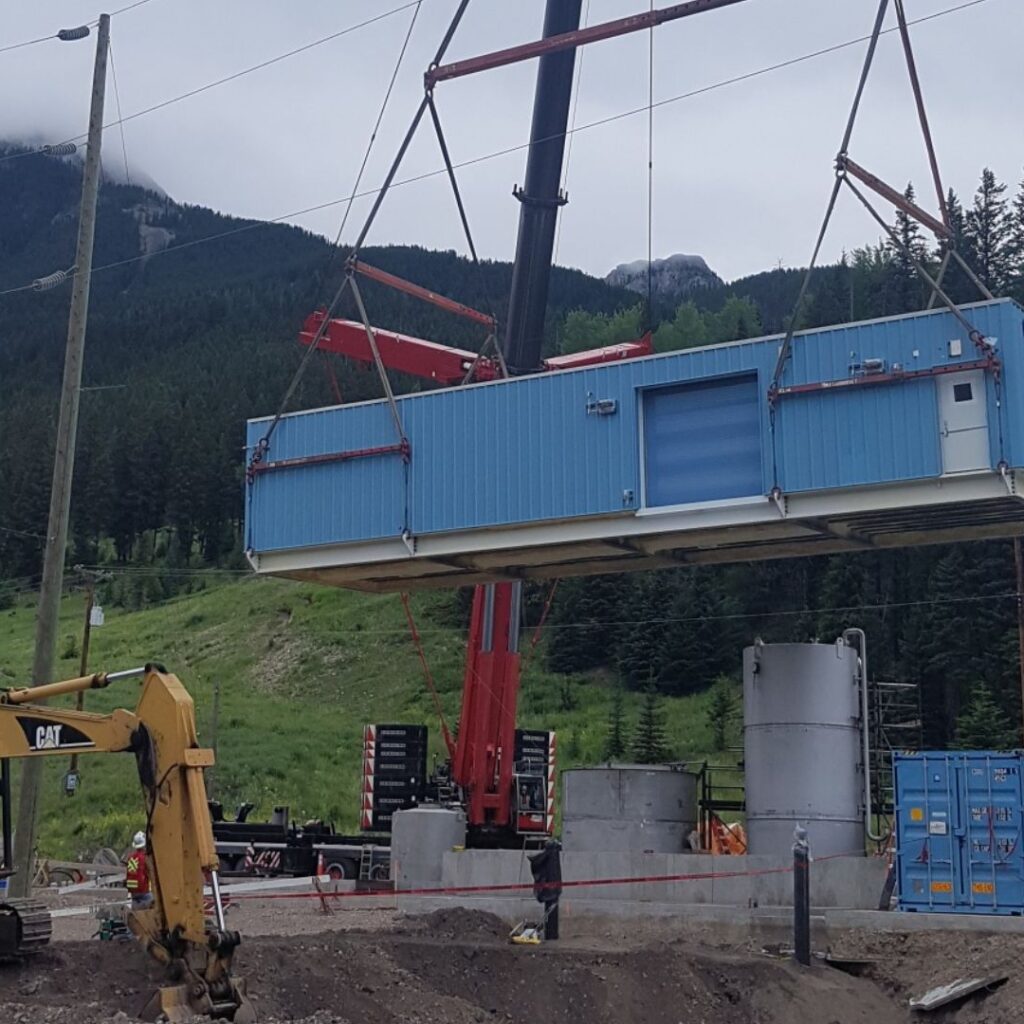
(484,763)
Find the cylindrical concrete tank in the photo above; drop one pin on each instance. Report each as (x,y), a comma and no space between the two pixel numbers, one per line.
(420,837)
(802,748)
(619,808)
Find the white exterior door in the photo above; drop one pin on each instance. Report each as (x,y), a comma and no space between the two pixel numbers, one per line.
(963,421)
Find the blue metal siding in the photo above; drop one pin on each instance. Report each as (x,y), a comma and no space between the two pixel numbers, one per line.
(872,435)
(526,450)
(359,500)
(507,460)
(702,441)
(959,823)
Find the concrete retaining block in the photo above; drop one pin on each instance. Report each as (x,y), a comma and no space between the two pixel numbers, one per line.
(844,882)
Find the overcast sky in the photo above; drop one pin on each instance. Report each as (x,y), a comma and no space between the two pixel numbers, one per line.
(741,173)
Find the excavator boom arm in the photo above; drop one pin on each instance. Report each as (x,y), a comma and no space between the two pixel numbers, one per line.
(161,733)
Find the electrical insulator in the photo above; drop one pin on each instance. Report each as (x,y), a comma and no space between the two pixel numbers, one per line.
(68,35)
(58,277)
(61,149)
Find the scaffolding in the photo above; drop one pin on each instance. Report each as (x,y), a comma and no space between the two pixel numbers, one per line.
(894,724)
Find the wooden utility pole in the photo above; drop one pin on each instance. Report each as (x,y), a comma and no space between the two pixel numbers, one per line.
(63,466)
(214,729)
(91,579)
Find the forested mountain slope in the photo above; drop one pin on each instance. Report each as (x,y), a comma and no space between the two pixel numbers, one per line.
(188,341)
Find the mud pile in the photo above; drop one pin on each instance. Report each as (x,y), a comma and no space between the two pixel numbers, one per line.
(457,967)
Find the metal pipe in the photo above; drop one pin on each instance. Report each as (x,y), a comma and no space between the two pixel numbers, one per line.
(218,907)
(127,673)
(865,724)
(801,898)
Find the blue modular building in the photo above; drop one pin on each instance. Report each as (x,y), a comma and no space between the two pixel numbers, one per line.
(884,433)
(959,822)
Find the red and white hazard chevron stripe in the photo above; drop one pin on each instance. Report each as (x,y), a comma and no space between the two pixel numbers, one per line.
(552,782)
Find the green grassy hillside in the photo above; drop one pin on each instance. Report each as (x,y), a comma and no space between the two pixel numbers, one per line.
(301,669)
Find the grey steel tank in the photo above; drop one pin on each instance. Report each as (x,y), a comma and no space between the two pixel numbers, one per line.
(802,748)
(621,808)
(420,837)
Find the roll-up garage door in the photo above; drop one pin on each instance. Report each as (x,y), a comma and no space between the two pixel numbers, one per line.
(702,442)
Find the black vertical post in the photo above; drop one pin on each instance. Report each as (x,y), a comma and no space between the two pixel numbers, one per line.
(540,196)
(801,898)
(5,812)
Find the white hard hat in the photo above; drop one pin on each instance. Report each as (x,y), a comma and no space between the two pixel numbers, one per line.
(139,841)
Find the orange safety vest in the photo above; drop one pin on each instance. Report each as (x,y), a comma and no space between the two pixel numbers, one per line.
(137,875)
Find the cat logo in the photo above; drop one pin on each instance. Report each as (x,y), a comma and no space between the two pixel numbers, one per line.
(43,735)
(48,736)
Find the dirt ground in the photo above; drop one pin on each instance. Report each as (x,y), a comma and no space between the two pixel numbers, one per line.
(457,967)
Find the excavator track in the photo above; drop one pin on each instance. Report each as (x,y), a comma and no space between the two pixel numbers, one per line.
(25,928)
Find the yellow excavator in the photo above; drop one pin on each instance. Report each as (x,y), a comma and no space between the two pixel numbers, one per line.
(161,733)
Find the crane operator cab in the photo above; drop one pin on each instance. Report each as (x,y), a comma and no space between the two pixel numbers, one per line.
(531,803)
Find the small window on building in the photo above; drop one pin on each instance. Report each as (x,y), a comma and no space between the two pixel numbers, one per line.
(962,393)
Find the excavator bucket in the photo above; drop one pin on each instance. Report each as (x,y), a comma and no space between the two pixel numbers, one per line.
(179,1004)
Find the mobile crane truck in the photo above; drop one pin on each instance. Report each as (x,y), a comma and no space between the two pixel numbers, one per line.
(161,733)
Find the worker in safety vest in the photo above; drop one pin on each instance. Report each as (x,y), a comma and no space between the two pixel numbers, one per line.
(137,875)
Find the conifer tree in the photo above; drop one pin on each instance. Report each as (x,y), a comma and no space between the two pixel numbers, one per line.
(641,637)
(720,713)
(649,745)
(955,283)
(988,229)
(1017,244)
(983,725)
(832,298)
(582,634)
(907,288)
(617,742)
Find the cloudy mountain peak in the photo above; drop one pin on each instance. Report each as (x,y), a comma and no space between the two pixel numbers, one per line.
(673,277)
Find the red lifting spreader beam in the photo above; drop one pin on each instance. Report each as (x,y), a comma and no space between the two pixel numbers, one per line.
(442,363)
(398,352)
(567,40)
(423,294)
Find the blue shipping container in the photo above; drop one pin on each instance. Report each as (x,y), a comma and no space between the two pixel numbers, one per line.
(959,824)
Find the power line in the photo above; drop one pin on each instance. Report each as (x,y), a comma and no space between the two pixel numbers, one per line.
(55,35)
(130,7)
(244,575)
(571,135)
(412,3)
(380,119)
(495,154)
(26,42)
(237,74)
(22,533)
